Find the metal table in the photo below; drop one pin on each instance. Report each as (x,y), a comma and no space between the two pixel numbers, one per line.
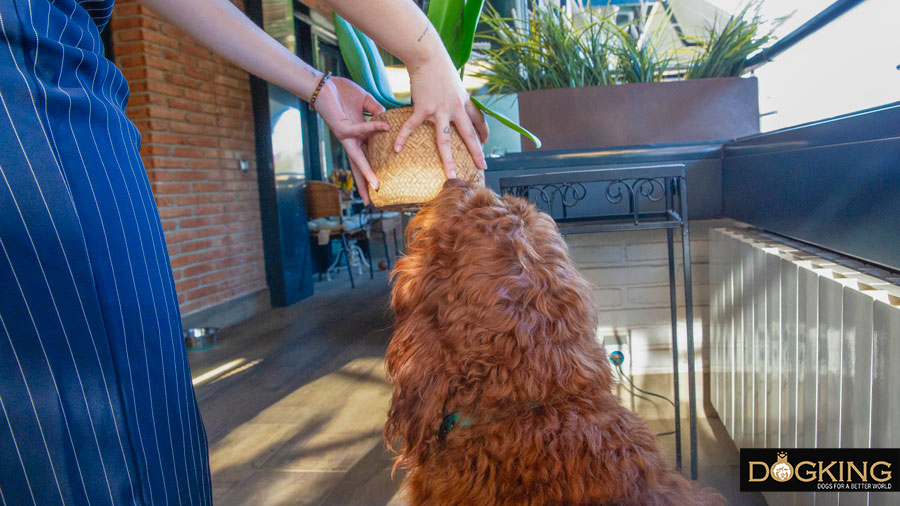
(649,193)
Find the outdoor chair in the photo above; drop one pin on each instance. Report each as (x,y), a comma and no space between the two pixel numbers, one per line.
(324,209)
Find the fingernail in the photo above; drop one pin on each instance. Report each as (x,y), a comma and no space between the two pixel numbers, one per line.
(396,148)
(374,185)
(452,174)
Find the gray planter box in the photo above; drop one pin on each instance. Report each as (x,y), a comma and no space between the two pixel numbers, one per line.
(643,113)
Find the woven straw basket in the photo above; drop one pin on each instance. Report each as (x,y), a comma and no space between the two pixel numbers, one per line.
(415,175)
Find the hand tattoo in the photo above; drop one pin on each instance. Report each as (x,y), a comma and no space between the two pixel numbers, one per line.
(447,129)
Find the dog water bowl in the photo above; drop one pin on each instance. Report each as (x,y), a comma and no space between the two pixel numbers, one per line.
(200,338)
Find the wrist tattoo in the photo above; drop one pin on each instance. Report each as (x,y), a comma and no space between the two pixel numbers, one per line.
(423,33)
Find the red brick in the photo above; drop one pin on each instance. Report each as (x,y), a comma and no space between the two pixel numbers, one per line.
(204,221)
(194,113)
(202,141)
(206,187)
(168,188)
(203,291)
(181,80)
(195,50)
(200,96)
(155,149)
(187,247)
(164,201)
(175,212)
(186,284)
(187,153)
(139,99)
(209,209)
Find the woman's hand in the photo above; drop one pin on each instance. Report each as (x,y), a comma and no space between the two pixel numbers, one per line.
(438,96)
(341,104)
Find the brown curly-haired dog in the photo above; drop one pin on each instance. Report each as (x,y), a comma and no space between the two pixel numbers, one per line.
(496,328)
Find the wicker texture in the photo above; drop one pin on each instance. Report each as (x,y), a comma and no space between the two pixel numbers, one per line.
(415,175)
(323,200)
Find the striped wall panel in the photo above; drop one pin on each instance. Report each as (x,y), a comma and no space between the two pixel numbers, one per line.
(804,352)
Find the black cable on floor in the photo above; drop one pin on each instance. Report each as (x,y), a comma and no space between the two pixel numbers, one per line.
(617,358)
(619,367)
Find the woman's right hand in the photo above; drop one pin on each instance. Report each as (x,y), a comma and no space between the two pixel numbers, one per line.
(341,103)
(438,96)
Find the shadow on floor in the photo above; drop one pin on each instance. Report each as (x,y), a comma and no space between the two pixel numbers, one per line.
(298,421)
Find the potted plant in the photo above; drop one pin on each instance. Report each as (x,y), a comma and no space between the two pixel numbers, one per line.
(415,174)
(583,82)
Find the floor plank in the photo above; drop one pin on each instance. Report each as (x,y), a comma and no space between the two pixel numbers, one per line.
(297,418)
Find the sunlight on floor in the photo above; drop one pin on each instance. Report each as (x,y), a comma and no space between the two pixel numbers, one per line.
(222,369)
(305,441)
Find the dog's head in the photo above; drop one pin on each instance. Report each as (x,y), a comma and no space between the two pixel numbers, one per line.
(491,315)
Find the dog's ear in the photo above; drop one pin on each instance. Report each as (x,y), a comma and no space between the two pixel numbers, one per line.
(414,365)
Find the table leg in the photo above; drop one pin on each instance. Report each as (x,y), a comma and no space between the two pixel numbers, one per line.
(673,306)
(348,252)
(387,254)
(689,320)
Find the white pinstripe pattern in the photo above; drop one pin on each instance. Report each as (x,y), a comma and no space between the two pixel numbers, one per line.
(84,166)
(163,267)
(145,193)
(51,142)
(62,247)
(161,289)
(146,198)
(28,389)
(137,298)
(13,434)
(109,256)
(157,247)
(143,250)
(55,307)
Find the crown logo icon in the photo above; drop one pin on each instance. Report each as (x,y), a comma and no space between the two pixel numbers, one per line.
(782,470)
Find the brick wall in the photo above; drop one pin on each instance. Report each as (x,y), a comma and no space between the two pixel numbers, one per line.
(194,113)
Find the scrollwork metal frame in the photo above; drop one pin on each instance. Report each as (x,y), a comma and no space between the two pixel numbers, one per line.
(634,191)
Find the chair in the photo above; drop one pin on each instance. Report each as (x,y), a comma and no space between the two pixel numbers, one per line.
(384,222)
(327,222)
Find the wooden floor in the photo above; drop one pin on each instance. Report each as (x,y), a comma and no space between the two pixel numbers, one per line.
(294,400)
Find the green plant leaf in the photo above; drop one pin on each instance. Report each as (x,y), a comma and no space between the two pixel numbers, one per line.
(376,63)
(444,15)
(456,22)
(506,121)
(358,62)
(460,48)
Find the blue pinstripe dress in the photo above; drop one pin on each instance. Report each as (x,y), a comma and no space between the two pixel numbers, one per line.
(96,402)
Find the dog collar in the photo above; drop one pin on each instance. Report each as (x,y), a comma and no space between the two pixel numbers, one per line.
(450,422)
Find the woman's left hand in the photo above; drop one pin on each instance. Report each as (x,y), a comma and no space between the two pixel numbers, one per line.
(341,104)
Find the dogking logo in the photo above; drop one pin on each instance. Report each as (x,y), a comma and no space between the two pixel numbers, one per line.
(782,471)
(820,469)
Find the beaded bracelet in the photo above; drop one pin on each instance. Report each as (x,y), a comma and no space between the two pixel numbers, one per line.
(315,93)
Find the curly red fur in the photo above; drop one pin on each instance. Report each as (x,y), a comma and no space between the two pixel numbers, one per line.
(495,323)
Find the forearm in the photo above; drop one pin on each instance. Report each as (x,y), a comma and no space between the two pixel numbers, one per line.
(398,26)
(224,29)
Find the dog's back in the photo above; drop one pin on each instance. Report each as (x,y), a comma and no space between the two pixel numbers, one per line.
(502,394)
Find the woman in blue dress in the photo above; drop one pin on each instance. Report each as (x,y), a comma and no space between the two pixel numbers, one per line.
(96,401)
